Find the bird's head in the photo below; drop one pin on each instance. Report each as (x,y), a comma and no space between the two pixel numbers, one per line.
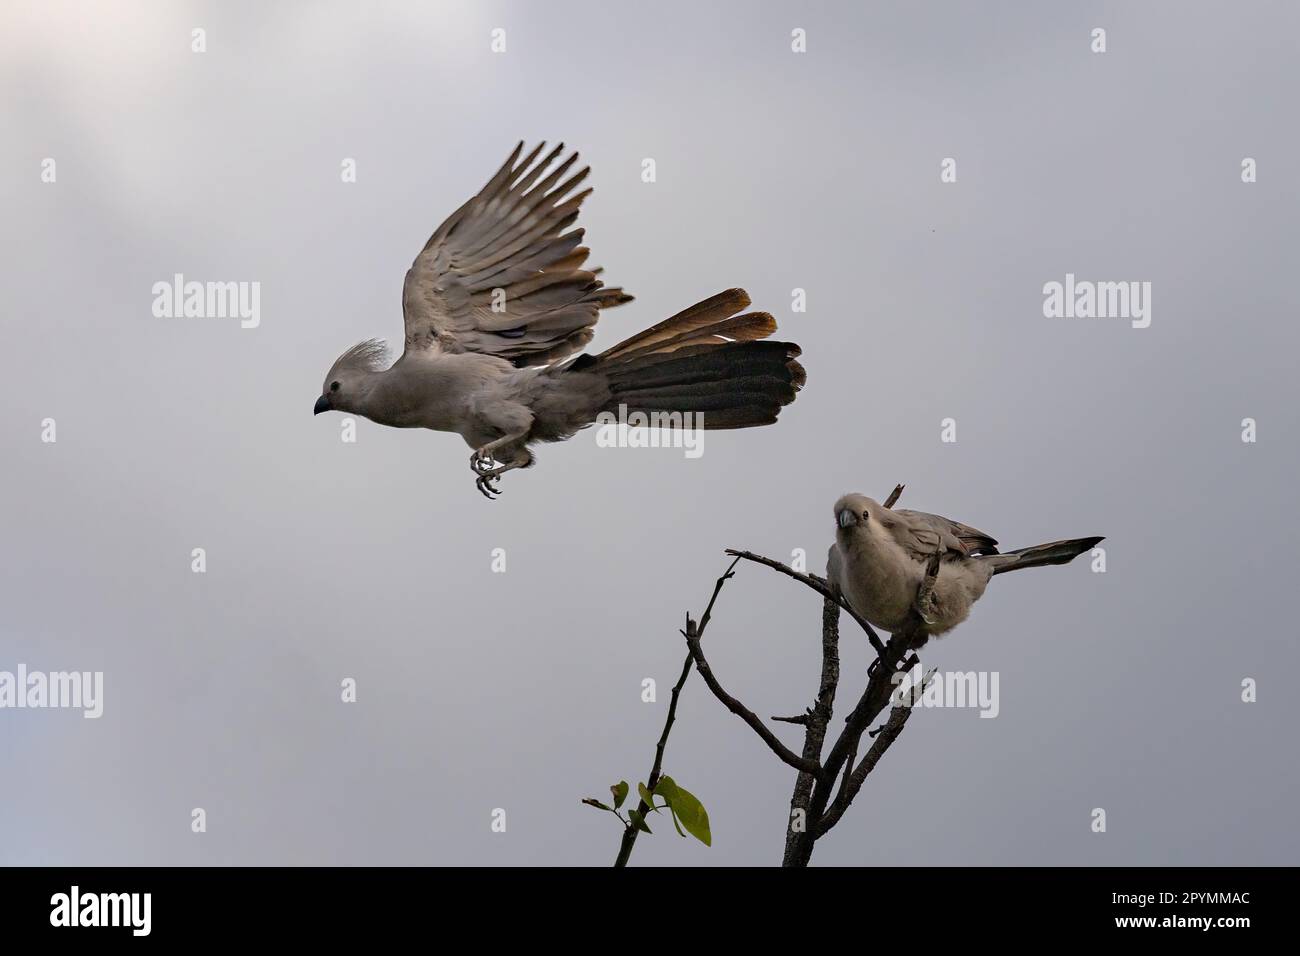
(854,515)
(350,377)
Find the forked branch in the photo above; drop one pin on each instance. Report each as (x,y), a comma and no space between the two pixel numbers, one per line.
(840,775)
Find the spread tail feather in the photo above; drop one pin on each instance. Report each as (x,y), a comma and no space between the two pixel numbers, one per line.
(1041,555)
(707,360)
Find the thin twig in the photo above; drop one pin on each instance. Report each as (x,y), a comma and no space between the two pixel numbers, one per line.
(692,635)
(894,496)
(717,589)
(796,719)
(884,738)
(630,832)
(820,586)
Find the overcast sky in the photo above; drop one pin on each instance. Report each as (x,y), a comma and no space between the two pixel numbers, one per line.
(775,171)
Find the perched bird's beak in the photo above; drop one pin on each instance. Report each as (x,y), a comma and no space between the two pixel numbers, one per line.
(847,518)
(322,405)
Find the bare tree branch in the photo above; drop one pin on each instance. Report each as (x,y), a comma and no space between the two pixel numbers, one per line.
(874,697)
(692,635)
(630,832)
(819,717)
(820,586)
(886,736)
(818,779)
(871,703)
(717,589)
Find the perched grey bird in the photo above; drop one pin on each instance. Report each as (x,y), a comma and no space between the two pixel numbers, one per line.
(497,304)
(879,559)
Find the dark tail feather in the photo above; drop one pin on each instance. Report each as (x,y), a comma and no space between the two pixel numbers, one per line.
(1041,555)
(709,361)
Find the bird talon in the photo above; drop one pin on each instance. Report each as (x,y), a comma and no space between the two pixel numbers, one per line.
(484,484)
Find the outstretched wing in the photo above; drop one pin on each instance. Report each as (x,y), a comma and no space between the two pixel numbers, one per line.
(501,276)
(920,533)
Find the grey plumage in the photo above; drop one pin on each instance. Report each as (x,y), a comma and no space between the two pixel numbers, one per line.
(498,303)
(1042,555)
(879,557)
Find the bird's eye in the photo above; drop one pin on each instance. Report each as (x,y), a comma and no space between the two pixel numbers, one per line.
(334,386)
(865,515)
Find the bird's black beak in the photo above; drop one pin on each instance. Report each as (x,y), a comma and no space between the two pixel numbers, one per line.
(322,405)
(846,518)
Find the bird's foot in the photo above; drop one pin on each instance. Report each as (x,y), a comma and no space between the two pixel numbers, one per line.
(484,483)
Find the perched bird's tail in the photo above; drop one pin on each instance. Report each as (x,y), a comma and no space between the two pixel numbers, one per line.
(709,360)
(1040,555)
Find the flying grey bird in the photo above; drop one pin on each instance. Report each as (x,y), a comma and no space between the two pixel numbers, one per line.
(497,304)
(879,559)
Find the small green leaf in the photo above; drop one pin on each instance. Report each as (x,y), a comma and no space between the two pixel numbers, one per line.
(593,802)
(619,790)
(647,797)
(687,808)
(666,788)
(638,821)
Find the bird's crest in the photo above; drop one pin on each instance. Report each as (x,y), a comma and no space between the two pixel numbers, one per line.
(368,356)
